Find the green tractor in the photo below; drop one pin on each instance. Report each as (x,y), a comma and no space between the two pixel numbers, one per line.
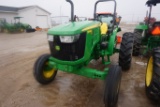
(147,39)
(75,44)
(20,27)
(146,33)
(17,26)
(6,27)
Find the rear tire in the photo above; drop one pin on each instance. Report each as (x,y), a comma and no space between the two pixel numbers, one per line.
(137,43)
(112,86)
(44,73)
(125,53)
(152,80)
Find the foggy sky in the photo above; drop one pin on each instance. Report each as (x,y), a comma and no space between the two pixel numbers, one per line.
(130,10)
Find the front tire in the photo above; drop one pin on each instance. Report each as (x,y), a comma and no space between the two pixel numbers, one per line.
(43,72)
(125,53)
(112,86)
(152,80)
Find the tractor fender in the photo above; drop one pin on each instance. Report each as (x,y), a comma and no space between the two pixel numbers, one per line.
(141,27)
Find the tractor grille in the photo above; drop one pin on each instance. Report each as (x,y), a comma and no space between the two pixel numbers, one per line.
(68,51)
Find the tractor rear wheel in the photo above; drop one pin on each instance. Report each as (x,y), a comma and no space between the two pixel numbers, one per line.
(44,73)
(152,80)
(137,43)
(112,86)
(125,53)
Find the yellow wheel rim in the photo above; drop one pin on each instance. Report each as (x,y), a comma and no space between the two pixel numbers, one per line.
(48,73)
(149,72)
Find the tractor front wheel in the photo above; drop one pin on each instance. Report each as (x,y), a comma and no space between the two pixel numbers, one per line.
(125,53)
(112,86)
(43,72)
(152,80)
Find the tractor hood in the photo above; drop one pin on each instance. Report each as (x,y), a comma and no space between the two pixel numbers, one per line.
(73,28)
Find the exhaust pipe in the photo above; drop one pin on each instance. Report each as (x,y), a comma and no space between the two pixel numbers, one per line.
(72,10)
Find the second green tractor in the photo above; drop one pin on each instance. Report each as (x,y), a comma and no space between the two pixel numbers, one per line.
(75,44)
(147,42)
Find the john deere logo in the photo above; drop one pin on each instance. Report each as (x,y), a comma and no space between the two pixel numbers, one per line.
(57,48)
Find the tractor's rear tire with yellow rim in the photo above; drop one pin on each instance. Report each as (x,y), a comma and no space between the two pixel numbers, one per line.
(152,80)
(43,72)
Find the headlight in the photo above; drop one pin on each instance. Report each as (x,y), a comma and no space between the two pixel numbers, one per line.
(50,38)
(69,39)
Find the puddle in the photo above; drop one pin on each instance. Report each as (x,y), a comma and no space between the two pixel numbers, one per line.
(141,63)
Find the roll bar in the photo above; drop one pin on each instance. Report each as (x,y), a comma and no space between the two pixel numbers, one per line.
(115,5)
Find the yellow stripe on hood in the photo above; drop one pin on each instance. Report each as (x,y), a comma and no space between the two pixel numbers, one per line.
(91,27)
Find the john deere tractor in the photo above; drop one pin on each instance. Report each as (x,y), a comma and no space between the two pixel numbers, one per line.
(147,36)
(75,44)
(146,33)
(17,26)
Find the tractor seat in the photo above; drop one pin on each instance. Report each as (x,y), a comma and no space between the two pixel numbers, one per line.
(156,29)
(104,28)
